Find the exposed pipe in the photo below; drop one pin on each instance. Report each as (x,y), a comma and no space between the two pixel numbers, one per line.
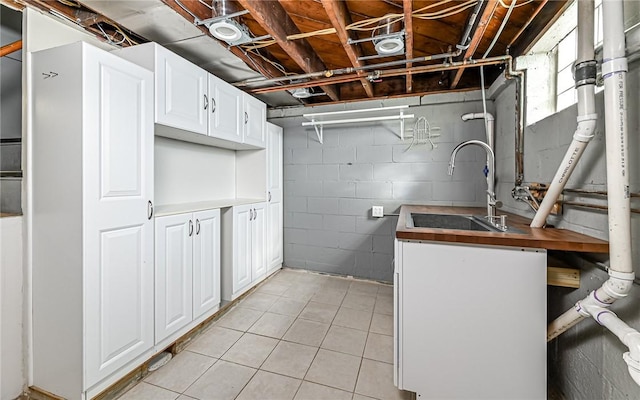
(393,72)
(595,192)
(594,206)
(519,76)
(490,121)
(261,81)
(621,274)
(585,83)
(10,48)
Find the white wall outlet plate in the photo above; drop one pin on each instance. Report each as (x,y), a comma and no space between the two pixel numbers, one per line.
(377,211)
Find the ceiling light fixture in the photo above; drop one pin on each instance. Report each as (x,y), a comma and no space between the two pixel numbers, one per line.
(227,29)
(389,45)
(304,93)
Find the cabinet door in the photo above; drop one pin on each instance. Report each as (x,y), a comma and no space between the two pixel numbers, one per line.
(259,241)
(174,280)
(242,221)
(206,261)
(255,118)
(225,110)
(181,97)
(117,173)
(274,196)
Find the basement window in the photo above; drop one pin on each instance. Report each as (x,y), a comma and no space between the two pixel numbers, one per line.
(550,84)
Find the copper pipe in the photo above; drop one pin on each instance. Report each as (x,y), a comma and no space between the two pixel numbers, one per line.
(10,48)
(390,73)
(595,192)
(526,25)
(594,206)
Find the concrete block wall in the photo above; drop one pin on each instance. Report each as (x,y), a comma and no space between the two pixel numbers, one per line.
(329,188)
(586,361)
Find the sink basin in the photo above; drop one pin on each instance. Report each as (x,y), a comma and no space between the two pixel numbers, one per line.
(446,221)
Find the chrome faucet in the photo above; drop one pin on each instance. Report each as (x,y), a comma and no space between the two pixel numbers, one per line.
(497,221)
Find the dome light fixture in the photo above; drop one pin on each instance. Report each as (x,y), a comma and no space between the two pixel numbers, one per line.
(227,30)
(389,45)
(301,93)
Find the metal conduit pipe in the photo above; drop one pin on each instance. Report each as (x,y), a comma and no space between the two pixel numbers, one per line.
(341,71)
(585,77)
(393,72)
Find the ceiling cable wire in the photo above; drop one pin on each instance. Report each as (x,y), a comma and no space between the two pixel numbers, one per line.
(372,24)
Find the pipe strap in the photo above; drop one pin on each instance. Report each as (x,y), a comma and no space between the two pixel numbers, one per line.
(587,117)
(624,276)
(613,66)
(585,73)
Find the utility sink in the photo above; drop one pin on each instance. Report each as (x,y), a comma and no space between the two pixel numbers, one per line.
(452,221)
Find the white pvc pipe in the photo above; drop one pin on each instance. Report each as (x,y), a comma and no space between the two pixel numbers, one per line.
(586,117)
(490,122)
(621,274)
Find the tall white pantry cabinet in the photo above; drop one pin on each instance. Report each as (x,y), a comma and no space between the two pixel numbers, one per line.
(92,223)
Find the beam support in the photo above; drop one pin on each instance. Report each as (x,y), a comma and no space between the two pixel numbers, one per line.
(340,18)
(408,39)
(478,34)
(275,21)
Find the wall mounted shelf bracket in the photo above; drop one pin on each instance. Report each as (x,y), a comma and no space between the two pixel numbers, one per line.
(319,120)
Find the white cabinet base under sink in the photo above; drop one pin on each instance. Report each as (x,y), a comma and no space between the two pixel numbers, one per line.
(470,321)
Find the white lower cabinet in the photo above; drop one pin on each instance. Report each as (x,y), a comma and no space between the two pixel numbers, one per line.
(187,274)
(470,321)
(244,259)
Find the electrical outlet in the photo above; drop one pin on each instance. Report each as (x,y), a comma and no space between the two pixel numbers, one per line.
(377,211)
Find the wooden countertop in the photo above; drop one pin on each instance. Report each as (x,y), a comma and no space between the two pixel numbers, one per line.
(546,238)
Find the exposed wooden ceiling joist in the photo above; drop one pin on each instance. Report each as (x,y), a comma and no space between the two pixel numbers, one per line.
(275,20)
(478,34)
(408,40)
(204,12)
(340,18)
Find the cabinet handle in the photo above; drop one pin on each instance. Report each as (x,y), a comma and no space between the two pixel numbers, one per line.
(197,226)
(149,210)
(250,215)
(214,105)
(255,214)
(190,227)
(269,196)
(246,117)
(206,102)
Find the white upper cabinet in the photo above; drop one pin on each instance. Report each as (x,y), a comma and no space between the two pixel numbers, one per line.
(254,121)
(190,100)
(225,110)
(181,99)
(91,218)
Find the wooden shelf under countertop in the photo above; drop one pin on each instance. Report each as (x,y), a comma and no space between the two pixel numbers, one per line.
(541,238)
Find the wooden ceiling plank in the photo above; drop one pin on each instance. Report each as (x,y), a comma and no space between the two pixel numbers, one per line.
(275,20)
(340,18)
(478,34)
(408,39)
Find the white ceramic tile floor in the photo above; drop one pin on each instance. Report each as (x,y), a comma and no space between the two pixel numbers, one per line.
(300,335)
